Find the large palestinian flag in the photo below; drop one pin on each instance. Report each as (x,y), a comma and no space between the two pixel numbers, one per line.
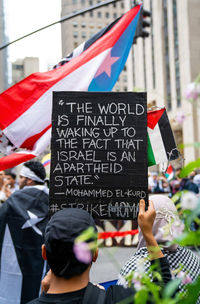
(161,144)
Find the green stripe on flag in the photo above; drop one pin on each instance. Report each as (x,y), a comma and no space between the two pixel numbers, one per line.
(150,156)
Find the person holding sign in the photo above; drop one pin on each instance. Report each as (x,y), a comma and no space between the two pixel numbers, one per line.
(68,279)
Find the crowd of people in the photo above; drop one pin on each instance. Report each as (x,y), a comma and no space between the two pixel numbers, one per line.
(24,230)
(158,182)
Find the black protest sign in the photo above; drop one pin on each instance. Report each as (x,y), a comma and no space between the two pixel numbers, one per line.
(99,153)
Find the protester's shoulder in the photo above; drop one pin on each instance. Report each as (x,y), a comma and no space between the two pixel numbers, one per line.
(35,301)
(116,293)
(39,193)
(131,263)
(187,251)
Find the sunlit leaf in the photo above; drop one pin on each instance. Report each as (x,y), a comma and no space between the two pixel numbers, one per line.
(171,288)
(189,168)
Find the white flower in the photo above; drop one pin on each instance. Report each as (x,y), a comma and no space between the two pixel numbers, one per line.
(137,285)
(180,117)
(189,201)
(185,278)
(192,91)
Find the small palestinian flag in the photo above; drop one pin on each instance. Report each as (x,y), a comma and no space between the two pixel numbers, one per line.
(161,144)
(169,174)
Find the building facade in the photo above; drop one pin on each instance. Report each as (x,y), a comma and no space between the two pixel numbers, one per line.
(167,61)
(4,52)
(22,68)
(81,28)
(162,64)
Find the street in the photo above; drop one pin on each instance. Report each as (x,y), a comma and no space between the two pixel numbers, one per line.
(109,263)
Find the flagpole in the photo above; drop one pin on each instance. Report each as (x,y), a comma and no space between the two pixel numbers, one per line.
(65,18)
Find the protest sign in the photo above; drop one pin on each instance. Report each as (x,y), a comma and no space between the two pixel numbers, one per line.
(99,153)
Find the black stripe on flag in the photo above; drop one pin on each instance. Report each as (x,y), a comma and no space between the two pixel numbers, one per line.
(168,137)
(87,44)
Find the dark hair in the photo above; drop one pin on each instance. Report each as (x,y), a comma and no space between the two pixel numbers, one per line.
(38,169)
(62,260)
(13,175)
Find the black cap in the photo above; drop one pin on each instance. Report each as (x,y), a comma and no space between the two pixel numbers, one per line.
(66,225)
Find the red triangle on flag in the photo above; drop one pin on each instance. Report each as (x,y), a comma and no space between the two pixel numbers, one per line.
(153,117)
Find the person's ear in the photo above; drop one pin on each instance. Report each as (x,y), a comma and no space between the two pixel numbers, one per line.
(95,255)
(44,253)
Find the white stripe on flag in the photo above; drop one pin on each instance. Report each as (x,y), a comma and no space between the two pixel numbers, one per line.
(157,145)
(38,116)
(78,50)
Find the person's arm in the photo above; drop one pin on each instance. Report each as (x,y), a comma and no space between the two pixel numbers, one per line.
(145,221)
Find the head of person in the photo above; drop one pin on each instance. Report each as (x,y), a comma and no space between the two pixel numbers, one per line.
(166,215)
(32,173)
(10,178)
(61,234)
(196,180)
(155,175)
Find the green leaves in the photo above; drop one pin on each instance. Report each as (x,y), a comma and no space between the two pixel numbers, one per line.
(171,287)
(189,168)
(189,239)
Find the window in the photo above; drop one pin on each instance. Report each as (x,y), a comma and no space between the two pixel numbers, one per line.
(107,15)
(176,54)
(166,54)
(82,2)
(75,44)
(91,14)
(75,24)
(122,5)
(99,14)
(18,67)
(152,46)
(83,24)
(83,34)
(125,89)
(90,2)
(125,78)
(114,15)
(117,88)
(144,64)
(75,34)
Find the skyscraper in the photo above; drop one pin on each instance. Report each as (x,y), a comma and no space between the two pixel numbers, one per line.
(168,60)
(162,64)
(81,28)
(4,52)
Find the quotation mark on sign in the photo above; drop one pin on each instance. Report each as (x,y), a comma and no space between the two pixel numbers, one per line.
(96,177)
(61,102)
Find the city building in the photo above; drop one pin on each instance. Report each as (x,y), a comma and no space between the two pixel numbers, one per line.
(81,28)
(167,61)
(163,64)
(3,52)
(22,68)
